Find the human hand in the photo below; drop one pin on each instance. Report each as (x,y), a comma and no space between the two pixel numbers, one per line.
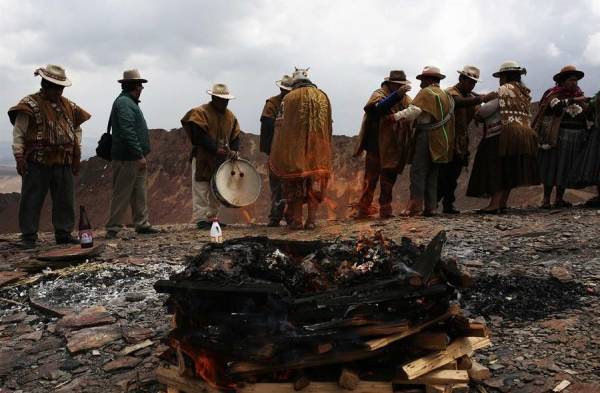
(21,165)
(75,168)
(403,89)
(233,155)
(581,99)
(490,96)
(142,163)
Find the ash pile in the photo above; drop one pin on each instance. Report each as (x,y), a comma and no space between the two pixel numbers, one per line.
(258,310)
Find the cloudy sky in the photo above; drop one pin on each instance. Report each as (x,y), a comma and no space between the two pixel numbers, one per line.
(183,47)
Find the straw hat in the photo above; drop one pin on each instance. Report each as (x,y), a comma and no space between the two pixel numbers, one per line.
(397,76)
(285,82)
(54,74)
(132,76)
(220,90)
(509,66)
(567,71)
(471,72)
(431,71)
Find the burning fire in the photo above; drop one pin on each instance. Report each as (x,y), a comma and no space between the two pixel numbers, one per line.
(205,368)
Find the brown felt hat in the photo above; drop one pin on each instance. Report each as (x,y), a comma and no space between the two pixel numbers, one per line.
(397,76)
(567,71)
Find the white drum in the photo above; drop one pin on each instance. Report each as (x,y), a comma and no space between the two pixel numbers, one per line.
(236,183)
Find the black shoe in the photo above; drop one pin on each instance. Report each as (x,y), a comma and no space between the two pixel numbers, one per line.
(66,239)
(451,210)
(28,243)
(147,231)
(111,234)
(488,211)
(273,223)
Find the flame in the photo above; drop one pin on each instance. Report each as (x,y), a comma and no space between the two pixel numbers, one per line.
(206,369)
(206,366)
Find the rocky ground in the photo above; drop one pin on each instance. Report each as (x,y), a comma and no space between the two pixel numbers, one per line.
(96,326)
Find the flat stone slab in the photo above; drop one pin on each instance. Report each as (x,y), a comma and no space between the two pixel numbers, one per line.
(9,277)
(136,347)
(14,318)
(135,334)
(88,317)
(91,338)
(121,363)
(71,253)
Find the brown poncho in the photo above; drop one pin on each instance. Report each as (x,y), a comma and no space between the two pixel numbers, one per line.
(302,141)
(393,137)
(439,105)
(223,127)
(517,136)
(52,128)
(462,118)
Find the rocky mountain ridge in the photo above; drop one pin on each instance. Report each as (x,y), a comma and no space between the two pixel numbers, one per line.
(169,191)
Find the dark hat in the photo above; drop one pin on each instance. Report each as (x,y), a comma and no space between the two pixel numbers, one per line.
(567,71)
(397,76)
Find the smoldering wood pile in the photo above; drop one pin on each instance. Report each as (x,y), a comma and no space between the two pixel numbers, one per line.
(257,310)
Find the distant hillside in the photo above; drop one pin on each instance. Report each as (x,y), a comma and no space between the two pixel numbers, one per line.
(170,185)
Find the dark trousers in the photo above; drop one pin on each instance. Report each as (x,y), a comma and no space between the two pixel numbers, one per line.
(35,185)
(373,174)
(448,180)
(277,202)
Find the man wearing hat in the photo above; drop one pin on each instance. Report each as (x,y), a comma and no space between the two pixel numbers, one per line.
(561,126)
(386,143)
(465,104)
(130,146)
(47,150)
(301,150)
(214,133)
(432,112)
(267,128)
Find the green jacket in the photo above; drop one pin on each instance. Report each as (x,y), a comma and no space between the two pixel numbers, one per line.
(130,139)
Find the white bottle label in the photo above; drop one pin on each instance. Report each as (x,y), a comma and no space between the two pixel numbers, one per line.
(85,237)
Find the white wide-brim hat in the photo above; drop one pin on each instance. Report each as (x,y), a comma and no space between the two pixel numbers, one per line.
(54,74)
(471,72)
(431,71)
(132,76)
(509,66)
(285,82)
(221,90)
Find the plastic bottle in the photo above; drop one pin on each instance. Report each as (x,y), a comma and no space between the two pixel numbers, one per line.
(216,235)
(86,238)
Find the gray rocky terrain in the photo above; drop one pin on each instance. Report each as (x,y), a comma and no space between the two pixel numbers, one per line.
(537,285)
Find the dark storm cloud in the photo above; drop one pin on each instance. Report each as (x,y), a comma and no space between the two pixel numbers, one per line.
(185,46)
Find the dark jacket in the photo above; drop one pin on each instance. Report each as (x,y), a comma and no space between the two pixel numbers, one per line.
(130,139)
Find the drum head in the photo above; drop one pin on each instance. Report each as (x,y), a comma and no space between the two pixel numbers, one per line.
(236,183)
